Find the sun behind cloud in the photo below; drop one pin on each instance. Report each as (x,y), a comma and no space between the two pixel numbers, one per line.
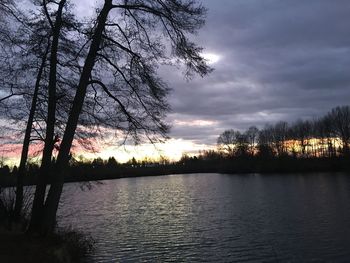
(211,58)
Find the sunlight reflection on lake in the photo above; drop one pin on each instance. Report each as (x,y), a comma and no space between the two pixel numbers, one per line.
(214,218)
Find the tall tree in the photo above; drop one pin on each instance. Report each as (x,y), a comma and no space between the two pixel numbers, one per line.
(242,144)
(125,49)
(301,132)
(340,117)
(252,137)
(280,135)
(26,141)
(21,43)
(40,190)
(227,142)
(266,142)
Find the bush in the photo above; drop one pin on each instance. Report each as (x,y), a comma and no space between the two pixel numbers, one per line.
(70,246)
(7,206)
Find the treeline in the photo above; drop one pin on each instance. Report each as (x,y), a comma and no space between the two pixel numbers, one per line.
(327,136)
(317,145)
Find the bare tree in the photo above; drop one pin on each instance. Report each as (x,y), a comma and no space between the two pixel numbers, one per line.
(266,142)
(340,117)
(27,137)
(125,49)
(242,144)
(280,135)
(227,141)
(40,190)
(18,47)
(252,135)
(301,132)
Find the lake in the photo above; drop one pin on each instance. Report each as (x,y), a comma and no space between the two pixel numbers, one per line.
(214,218)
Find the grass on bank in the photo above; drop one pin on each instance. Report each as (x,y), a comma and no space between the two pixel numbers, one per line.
(63,246)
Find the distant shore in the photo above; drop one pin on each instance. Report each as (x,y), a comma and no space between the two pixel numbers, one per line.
(235,166)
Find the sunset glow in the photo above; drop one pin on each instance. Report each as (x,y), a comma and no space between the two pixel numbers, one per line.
(171,150)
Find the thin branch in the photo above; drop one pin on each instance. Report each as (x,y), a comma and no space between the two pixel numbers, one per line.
(105,89)
(47,14)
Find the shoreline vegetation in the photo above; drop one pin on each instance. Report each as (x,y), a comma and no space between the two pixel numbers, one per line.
(208,162)
(64,246)
(318,145)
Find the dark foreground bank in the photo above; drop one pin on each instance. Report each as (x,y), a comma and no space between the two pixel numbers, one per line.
(61,247)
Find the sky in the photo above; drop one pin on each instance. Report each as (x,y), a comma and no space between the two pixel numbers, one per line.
(274,60)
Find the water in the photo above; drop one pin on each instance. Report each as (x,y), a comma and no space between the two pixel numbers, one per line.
(214,218)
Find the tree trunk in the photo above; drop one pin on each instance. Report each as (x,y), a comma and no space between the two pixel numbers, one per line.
(39,197)
(26,141)
(53,198)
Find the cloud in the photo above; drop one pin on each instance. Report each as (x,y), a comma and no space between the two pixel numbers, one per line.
(279,60)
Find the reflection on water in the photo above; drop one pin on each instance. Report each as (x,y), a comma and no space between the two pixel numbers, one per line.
(214,218)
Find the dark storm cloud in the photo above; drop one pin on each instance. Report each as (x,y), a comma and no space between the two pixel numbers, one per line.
(279,60)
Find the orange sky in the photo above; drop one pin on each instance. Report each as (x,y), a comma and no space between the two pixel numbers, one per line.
(172,149)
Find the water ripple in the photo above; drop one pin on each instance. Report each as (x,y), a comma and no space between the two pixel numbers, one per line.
(214,218)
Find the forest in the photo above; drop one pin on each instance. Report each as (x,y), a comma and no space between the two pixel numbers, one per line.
(326,136)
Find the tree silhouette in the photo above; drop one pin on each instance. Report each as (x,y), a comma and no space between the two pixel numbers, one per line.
(252,136)
(127,43)
(340,117)
(227,141)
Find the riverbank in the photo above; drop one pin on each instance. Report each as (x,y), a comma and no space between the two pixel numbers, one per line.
(62,247)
